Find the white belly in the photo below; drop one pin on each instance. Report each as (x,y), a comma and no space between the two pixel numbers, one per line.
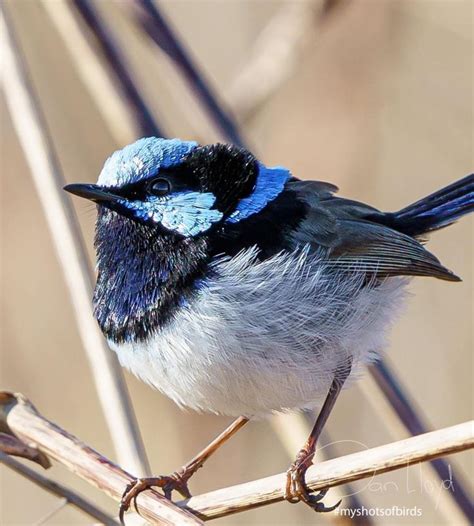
(265,336)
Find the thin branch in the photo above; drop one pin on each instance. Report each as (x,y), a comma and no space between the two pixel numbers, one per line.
(10,445)
(385,411)
(162,33)
(391,386)
(116,59)
(58,489)
(32,133)
(356,466)
(104,90)
(19,416)
(273,57)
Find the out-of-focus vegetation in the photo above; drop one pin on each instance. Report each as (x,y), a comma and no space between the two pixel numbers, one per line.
(375,96)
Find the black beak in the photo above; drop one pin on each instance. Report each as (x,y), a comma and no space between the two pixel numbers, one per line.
(92,192)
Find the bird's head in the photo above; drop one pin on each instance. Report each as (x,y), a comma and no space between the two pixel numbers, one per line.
(182,188)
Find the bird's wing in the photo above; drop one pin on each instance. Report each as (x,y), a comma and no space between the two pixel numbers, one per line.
(352,236)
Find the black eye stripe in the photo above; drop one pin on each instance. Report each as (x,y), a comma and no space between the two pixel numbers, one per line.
(180,179)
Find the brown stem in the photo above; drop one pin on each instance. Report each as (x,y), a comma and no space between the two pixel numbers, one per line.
(59,490)
(19,417)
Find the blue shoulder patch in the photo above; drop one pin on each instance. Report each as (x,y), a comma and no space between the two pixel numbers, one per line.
(270,183)
(186,213)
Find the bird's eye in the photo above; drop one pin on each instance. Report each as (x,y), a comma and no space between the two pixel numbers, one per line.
(159,187)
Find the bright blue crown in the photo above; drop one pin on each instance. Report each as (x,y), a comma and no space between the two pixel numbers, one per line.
(143,159)
(186,212)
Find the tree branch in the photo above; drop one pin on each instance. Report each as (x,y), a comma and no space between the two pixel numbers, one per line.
(10,445)
(364,464)
(19,417)
(58,489)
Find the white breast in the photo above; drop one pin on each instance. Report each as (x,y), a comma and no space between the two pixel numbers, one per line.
(265,336)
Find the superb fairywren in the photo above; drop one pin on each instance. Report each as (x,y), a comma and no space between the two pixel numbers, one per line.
(238,289)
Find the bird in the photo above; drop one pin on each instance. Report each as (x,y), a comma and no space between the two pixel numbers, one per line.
(238,289)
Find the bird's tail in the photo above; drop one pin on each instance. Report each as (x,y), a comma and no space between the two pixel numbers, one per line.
(437,210)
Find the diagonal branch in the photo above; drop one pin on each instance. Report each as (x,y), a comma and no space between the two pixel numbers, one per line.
(20,418)
(59,490)
(117,62)
(36,143)
(357,466)
(163,34)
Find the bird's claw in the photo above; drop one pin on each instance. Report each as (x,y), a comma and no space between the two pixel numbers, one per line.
(296,490)
(175,482)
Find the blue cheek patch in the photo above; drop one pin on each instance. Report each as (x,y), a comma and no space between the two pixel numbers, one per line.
(270,183)
(186,213)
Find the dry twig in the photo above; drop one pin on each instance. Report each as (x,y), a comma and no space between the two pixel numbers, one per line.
(33,137)
(356,466)
(103,89)
(10,445)
(59,490)
(21,418)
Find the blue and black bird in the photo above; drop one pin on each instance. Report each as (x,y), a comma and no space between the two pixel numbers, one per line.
(237,289)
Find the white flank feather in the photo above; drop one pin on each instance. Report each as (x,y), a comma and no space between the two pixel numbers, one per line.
(266,336)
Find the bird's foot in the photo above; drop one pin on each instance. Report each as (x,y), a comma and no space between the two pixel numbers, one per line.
(177,481)
(296,489)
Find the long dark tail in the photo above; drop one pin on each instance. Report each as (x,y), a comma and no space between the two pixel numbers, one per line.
(437,210)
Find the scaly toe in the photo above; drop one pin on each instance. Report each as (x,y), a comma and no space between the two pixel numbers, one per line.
(129,495)
(179,483)
(296,490)
(167,483)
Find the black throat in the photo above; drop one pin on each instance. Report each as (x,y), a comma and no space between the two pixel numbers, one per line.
(144,276)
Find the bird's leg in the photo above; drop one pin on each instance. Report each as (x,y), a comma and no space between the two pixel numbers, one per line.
(178,481)
(296,489)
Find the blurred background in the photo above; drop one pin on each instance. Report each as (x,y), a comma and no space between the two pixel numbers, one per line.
(373,95)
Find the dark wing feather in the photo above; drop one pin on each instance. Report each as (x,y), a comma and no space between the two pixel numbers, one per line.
(349,234)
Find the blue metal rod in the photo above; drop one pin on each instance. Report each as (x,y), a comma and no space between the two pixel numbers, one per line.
(111,51)
(160,31)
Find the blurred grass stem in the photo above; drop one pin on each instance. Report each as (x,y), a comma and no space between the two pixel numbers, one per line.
(103,90)
(58,489)
(116,59)
(33,136)
(164,36)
